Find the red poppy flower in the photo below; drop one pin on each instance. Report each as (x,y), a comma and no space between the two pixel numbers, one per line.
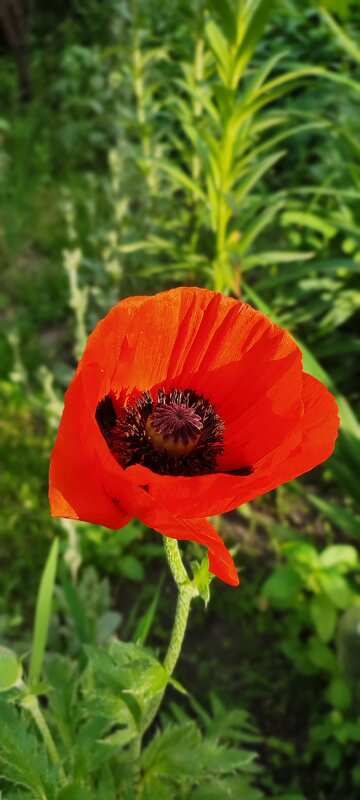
(185,405)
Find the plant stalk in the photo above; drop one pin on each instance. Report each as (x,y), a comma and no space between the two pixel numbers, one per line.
(31,703)
(186,592)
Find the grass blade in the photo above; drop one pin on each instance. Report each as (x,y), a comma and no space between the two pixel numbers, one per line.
(42,613)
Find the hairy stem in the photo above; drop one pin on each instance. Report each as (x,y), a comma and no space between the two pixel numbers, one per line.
(186,592)
(31,703)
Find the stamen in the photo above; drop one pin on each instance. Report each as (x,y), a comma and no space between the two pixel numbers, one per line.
(174,427)
(174,433)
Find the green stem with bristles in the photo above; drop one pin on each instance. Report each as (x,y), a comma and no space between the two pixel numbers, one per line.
(186,592)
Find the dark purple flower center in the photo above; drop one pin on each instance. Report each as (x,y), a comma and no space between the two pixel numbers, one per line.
(177,433)
(174,427)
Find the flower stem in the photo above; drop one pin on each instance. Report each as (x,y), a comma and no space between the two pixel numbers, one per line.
(185,596)
(31,703)
(186,593)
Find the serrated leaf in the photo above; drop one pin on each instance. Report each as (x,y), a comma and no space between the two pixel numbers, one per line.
(23,760)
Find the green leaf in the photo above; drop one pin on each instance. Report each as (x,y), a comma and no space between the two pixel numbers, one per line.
(132,568)
(321,655)
(275,257)
(258,21)
(219,45)
(23,760)
(342,556)
(224,12)
(106,626)
(77,609)
(309,220)
(74,792)
(323,615)
(301,553)
(174,752)
(339,694)
(336,588)
(248,183)
(202,578)
(10,669)
(145,622)
(180,178)
(283,587)
(344,518)
(348,44)
(42,614)
(154,787)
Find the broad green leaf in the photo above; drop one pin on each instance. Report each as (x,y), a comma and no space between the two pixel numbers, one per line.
(321,655)
(339,694)
(336,588)
(42,614)
(300,552)
(282,587)
(323,615)
(342,556)
(10,669)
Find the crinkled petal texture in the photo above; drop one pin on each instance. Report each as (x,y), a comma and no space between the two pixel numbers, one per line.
(279,421)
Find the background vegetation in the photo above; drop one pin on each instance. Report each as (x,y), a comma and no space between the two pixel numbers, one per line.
(216,144)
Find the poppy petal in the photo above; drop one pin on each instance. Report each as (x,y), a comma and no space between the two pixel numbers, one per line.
(75,485)
(277,419)
(138,502)
(148,340)
(311,443)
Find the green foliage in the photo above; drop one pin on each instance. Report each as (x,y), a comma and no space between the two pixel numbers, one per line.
(317,588)
(42,615)
(81,740)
